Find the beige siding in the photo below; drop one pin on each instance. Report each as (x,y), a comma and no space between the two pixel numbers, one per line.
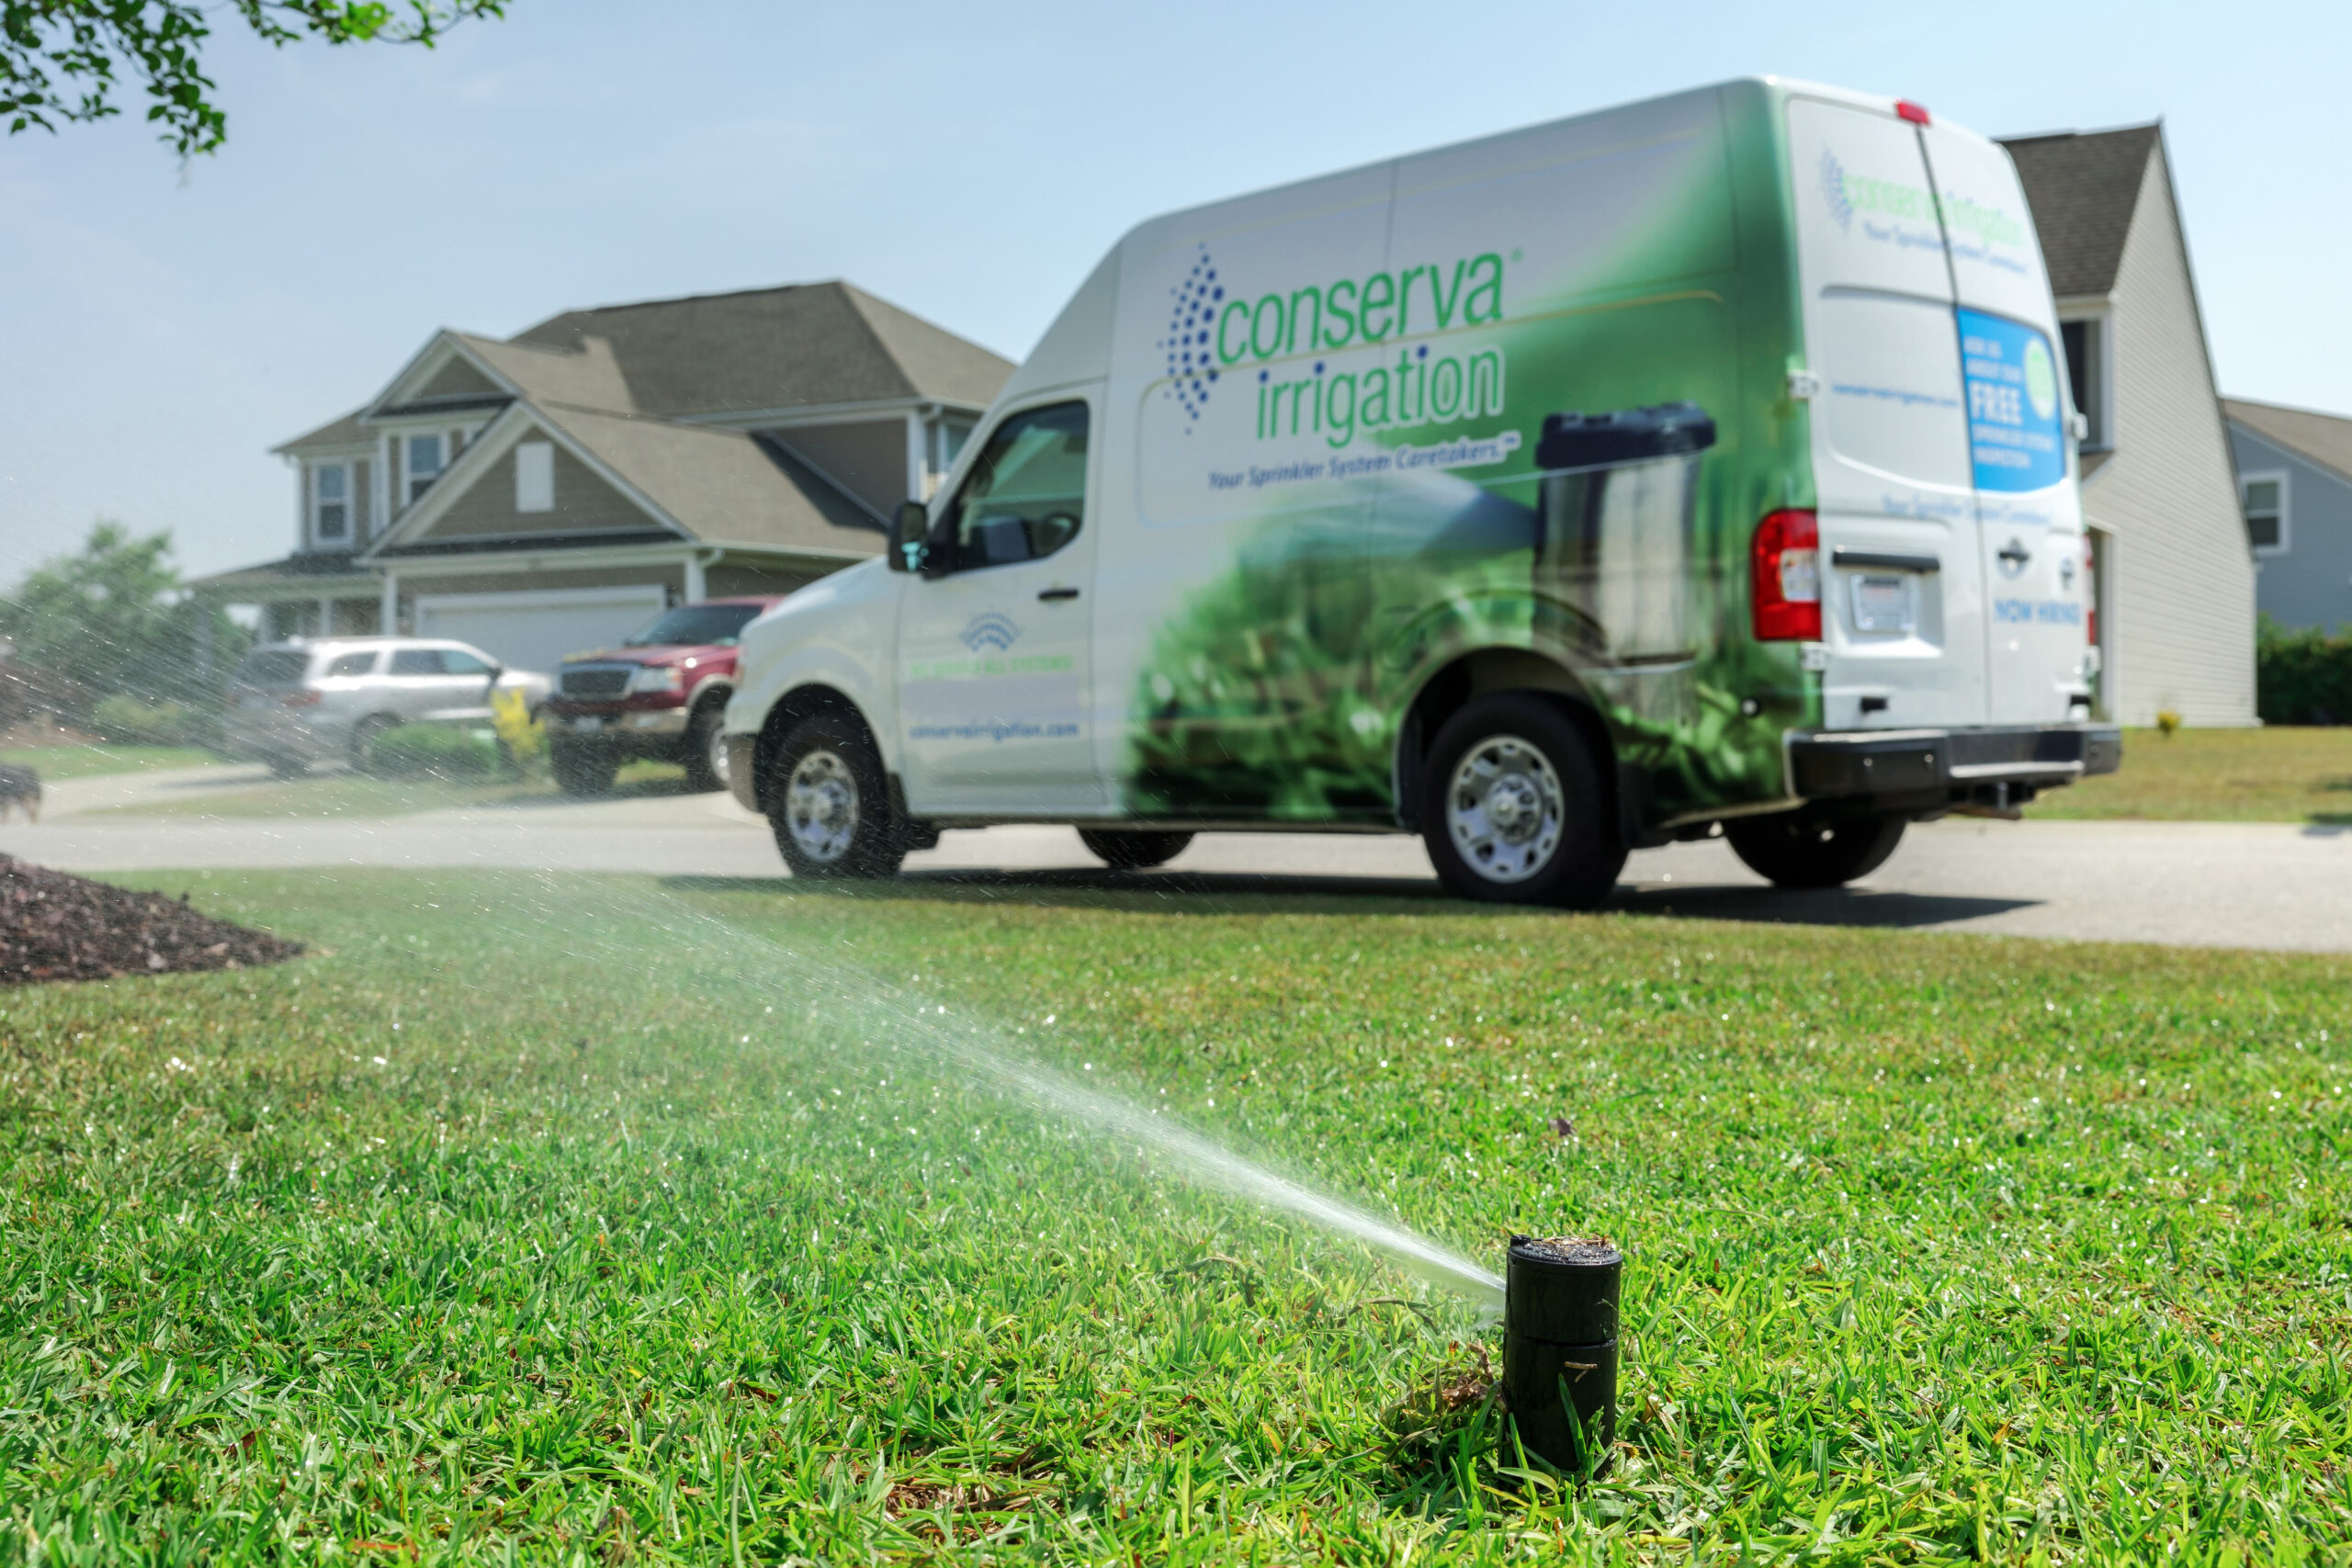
(457,379)
(672,578)
(2184,579)
(582,502)
(729,580)
(868,459)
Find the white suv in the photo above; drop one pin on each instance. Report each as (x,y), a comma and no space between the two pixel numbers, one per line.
(292,704)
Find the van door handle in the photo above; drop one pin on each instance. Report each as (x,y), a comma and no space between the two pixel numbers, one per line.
(2013,551)
(1059,593)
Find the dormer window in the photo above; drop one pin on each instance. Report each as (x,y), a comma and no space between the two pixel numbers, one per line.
(426,461)
(331,502)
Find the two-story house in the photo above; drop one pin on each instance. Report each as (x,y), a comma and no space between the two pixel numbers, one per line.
(2295,474)
(543,494)
(2172,571)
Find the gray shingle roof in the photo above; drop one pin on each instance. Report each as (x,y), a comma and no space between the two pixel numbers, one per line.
(584,376)
(2083,187)
(2325,438)
(723,485)
(797,346)
(344,431)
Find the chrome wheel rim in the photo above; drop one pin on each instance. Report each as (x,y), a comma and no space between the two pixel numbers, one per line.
(715,755)
(1504,809)
(821,806)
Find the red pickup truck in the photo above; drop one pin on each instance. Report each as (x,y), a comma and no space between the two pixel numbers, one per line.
(659,694)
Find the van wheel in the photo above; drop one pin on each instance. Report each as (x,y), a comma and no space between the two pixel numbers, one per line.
(1121,849)
(581,769)
(1797,848)
(706,756)
(1512,807)
(829,803)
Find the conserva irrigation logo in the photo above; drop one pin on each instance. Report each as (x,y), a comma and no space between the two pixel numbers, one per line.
(1848,195)
(1320,351)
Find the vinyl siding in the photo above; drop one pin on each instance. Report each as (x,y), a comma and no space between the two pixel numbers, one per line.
(2310,583)
(672,578)
(2184,578)
(457,379)
(729,579)
(867,458)
(584,502)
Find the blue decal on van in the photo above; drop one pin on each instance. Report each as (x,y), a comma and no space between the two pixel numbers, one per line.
(2013,407)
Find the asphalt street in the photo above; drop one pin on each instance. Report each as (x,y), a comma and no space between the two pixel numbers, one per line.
(2192,884)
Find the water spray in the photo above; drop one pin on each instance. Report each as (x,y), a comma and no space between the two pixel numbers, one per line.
(1560,1351)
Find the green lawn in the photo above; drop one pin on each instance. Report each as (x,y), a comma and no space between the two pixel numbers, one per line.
(591,1220)
(2282,774)
(338,793)
(54,763)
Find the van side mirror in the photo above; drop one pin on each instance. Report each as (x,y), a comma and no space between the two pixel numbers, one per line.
(909,537)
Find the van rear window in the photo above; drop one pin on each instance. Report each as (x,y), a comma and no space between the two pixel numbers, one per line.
(274,666)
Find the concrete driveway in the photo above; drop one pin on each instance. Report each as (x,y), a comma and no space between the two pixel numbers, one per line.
(2216,885)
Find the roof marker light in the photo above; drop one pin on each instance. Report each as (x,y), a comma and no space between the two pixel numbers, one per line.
(1916,113)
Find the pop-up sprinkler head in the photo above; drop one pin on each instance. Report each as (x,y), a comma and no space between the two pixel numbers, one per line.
(1560,1351)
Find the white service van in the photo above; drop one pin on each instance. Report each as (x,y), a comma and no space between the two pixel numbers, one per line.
(1700,465)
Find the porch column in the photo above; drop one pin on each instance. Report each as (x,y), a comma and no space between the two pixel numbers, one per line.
(326,616)
(388,617)
(696,585)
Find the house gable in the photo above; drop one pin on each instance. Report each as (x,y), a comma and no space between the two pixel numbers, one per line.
(580,501)
(457,378)
(2185,607)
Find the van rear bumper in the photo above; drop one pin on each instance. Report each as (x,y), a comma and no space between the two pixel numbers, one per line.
(1926,769)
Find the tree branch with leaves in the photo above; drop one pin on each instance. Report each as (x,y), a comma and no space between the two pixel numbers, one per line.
(65,62)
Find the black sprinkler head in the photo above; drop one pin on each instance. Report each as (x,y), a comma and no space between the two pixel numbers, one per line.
(1560,1351)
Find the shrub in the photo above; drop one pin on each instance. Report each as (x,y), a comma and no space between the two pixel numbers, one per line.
(129,721)
(519,730)
(2301,676)
(436,749)
(2167,721)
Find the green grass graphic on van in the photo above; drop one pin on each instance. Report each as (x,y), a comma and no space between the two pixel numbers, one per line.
(1278,689)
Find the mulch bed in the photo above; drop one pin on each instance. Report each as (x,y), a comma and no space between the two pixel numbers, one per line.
(56,927)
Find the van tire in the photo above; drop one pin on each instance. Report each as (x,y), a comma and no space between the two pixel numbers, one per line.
(829,803)
(1798,848)
(582,770)
(1128,849)
(1561,844)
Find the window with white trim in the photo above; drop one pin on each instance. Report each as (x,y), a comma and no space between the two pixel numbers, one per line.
(425,460)
(2086,377)
(2266,511)
(535,476)
(331,502)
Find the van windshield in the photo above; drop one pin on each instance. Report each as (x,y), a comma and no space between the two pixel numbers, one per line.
(695,626)
(273,666)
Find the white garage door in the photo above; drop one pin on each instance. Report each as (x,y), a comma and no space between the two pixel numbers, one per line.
(536,630)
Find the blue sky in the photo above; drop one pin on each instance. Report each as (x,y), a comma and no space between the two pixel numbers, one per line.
(165,325)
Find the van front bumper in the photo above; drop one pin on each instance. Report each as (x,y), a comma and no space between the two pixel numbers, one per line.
(1929,769)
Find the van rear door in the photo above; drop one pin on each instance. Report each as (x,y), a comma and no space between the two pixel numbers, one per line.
(2028,510)
(1902,567)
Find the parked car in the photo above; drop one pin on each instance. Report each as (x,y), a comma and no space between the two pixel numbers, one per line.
(293,703)
(1699,467)
(661,694)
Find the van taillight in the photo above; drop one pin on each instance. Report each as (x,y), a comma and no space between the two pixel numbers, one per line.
(1786,583)
(302,699)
